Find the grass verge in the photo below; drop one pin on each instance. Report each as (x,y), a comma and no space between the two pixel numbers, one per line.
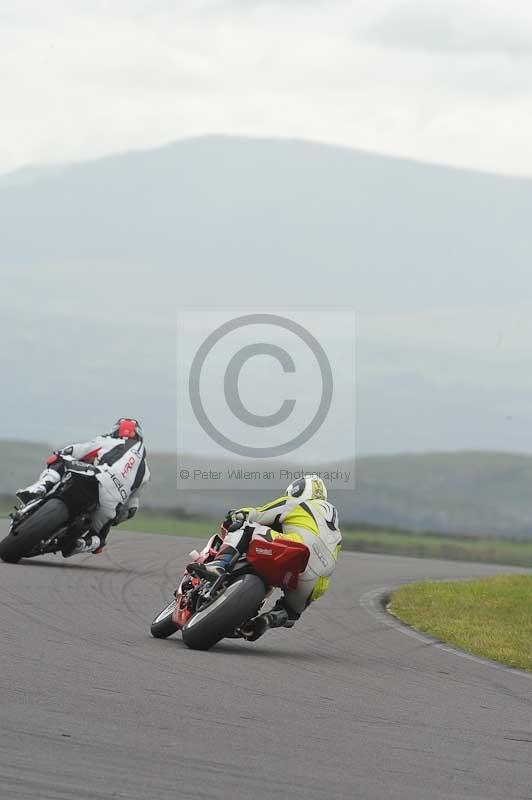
(430,545)
(491,617)
(171,526)
(453,548)
(512,552)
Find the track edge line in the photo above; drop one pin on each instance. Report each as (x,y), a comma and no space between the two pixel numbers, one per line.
(375,603)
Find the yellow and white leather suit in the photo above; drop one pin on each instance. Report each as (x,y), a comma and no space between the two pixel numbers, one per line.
(311,522)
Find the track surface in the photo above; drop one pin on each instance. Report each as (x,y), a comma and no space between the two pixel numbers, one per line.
(343,706)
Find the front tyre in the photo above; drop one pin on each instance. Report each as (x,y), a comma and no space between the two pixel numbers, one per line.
(240,601)
(163,625)
(28,535)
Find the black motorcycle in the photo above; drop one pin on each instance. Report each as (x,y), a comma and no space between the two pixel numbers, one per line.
(53,522)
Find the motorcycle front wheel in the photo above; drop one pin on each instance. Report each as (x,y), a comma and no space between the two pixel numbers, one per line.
(163,625)
(27,536)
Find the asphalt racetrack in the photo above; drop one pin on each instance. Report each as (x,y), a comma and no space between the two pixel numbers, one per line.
(343,706)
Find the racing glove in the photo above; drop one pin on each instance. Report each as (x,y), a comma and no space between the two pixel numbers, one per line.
(124,512)
(234,520)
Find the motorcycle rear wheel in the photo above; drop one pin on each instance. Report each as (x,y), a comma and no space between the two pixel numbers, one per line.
(240,601)
(44,522)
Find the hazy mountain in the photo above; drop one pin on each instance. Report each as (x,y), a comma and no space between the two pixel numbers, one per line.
(476,493)
(402,235)
(95,259)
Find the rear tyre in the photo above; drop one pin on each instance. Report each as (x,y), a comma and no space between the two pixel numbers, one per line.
(163,625)
(240,601)
(42,524)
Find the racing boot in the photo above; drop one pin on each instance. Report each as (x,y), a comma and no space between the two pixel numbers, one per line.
(36,490)
(257,627)
(33,492)
(102,536)
(213,569)
(87,544)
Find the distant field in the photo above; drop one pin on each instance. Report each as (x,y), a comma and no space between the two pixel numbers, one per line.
(465,493)
(450,548)
(490,617)
(155,523)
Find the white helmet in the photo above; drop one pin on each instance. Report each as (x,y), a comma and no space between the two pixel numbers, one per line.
(309,487)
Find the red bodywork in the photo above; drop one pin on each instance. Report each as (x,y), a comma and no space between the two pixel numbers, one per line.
(89,457)
(279,562)
(182,613)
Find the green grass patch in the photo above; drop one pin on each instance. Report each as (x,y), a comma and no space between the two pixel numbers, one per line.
(447,547)
(420,545)
(171,526)
(158,523)
(454,548)
(491,617)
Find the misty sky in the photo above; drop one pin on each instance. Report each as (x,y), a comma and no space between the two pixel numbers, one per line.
(436,80)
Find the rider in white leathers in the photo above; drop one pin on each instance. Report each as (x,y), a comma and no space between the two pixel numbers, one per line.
(120,457)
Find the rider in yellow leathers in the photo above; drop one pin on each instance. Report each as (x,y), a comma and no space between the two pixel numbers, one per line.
(303,515)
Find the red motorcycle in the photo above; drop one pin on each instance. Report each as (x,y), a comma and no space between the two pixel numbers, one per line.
(206,612)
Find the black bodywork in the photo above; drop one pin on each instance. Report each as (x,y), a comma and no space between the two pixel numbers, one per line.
(78,491)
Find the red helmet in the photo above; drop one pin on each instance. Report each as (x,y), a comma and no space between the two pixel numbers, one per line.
(126,428)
